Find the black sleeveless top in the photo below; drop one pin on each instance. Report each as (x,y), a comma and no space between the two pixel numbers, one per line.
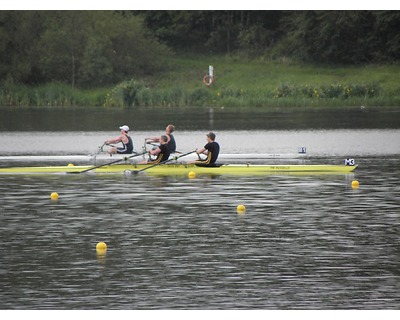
(126,148)
(213,149)
(164,152)
(163,155)
(171,144)
(212,156)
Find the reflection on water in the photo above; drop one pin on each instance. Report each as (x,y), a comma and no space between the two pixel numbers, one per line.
(305,242)
(99,119)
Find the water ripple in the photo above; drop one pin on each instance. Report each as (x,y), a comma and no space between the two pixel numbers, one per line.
(305,242)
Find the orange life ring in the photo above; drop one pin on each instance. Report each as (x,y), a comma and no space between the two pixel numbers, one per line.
(208,80)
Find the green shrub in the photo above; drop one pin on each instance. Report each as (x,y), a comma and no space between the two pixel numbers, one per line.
(125,94)
(333,91)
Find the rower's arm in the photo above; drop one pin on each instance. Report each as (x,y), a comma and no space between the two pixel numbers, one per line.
(201,150)
(116,140)
(154,139)
(155,152)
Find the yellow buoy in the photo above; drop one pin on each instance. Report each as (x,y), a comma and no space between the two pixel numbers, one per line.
(54,195)
(192,174)
(355,184)
(101,246)
(241,209)
(70,164)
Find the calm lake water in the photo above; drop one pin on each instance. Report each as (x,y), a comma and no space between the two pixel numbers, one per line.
(304,242)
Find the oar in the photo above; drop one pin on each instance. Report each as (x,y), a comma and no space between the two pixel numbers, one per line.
(163,162)
(112,162)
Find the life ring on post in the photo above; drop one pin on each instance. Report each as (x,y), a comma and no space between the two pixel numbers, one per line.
(208,80)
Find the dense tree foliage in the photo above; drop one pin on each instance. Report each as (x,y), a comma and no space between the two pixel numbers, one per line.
(85,48)
(98,48)
(224,32)
(310,36)
(349,37)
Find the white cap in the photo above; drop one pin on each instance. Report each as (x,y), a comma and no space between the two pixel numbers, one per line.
(125,128)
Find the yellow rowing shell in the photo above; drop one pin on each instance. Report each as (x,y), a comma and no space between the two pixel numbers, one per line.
(182,169)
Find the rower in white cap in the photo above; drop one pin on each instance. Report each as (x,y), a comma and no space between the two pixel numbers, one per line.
(127,143)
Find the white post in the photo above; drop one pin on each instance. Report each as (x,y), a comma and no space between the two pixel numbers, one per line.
(211,71)
(209,78)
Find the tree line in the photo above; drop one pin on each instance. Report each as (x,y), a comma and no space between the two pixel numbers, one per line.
(334,37)
(83,48)
(99,48)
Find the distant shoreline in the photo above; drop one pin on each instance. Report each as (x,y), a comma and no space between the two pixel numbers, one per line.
(238,83)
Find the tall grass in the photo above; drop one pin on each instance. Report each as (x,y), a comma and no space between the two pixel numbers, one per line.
(238,83)
(53,94)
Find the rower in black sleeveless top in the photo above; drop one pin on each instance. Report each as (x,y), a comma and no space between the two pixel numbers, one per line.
(162,152)
(211,149)
(171,140)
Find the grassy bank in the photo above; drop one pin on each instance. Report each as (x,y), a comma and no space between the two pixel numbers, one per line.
(237,83)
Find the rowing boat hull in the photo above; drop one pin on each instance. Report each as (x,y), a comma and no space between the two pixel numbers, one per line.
(181,169)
